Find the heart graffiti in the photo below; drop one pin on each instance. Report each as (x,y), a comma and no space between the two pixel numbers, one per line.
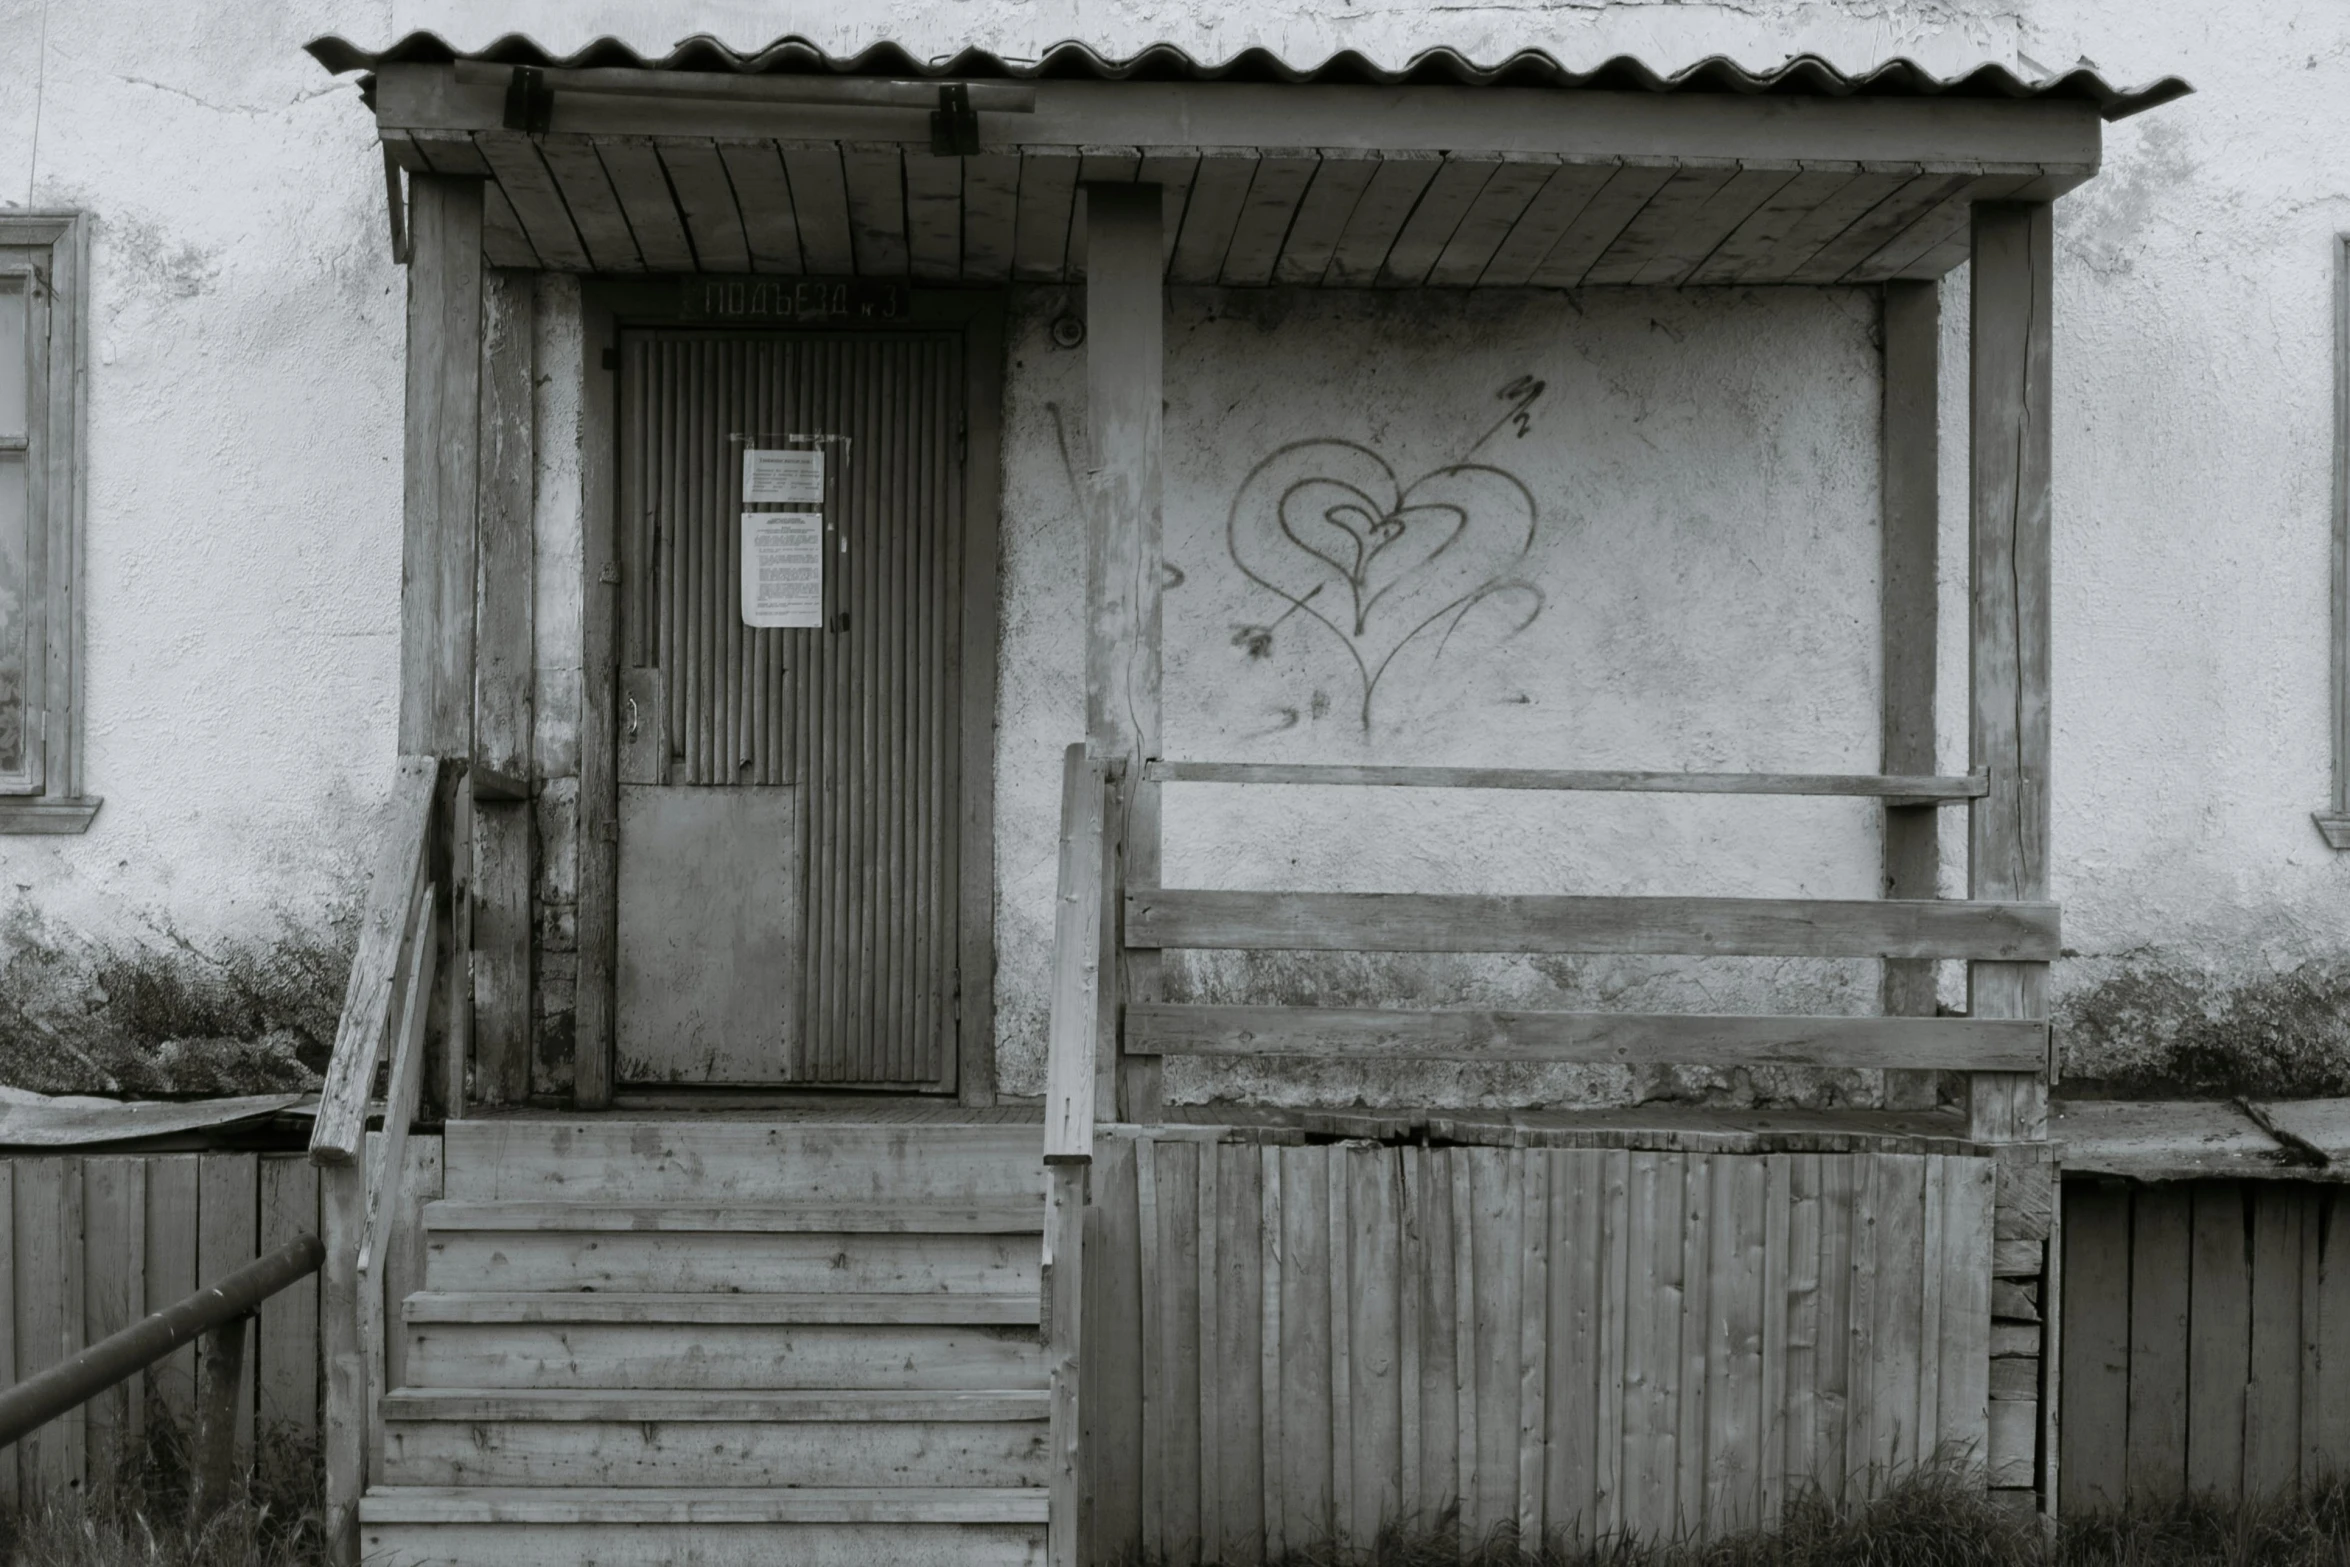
(1326,526)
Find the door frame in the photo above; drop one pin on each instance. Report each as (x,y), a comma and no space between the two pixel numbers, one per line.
(797,304)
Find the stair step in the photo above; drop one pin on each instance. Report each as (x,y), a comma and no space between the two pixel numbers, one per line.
(721,1404)
(1025,1217)
(743,1526)
(702,1504)
(566,1351)
(762,1261)
(707,1160)
(840,1308)
(678,1437)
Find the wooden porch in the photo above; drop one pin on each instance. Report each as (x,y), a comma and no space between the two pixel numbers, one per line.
(1200,1331)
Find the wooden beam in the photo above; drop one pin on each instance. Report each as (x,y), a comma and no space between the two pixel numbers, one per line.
(441,457)
(1125,314)
(1481,922)
(2334,821)
(1908,788)
(1609,1038)
(599,789)
(504,838)
(1075,1010)
(1666,126)
(1909,513)
(2008,723)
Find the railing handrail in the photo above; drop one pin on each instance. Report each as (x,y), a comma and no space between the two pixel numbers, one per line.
(396,909)
(1896,789)
(42,1397)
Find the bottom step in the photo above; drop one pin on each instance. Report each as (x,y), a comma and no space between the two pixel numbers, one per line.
(420,1526)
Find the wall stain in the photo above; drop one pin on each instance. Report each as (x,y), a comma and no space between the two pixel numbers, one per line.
(2152,1028)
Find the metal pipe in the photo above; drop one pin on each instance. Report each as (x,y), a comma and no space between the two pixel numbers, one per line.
(41,1398)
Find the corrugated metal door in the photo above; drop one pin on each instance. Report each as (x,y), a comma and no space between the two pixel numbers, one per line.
(848,885)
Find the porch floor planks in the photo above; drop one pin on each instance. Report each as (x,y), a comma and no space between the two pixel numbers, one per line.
(1488,222)
(1219,189)
(595,211)
(1659,222)
(934,217)
(1323,215)
(1444,202)
(1394,189)
(1276,189)
(875,181)
(1608,213)
(706,198)
(991,215)
(820,201)
(1047,200)
(642,187)
(1546,220)
(762,193)
(538,204)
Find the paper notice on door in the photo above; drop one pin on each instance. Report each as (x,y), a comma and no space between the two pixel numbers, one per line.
(783,568)
(782,478)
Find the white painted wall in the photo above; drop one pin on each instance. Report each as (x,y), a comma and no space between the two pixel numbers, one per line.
(244,496)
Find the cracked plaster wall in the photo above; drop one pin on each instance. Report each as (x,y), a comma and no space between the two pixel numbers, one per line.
(244,490)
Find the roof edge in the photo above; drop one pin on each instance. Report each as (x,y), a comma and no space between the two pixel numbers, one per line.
(1799,76)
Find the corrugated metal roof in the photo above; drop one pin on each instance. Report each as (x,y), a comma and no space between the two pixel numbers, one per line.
(1801,76)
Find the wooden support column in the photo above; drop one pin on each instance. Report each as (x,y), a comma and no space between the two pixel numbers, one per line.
(1125,312)
(438,542)
(1910,512)
(503,835)
(2008,725)
(2008,729)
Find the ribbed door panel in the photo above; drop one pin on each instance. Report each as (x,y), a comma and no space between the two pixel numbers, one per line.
(859,716)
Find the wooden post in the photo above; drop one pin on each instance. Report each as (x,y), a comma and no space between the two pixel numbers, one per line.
(439,513)
(599,756)
(221,1361)
(444,392)
(1910,511)
(342,1211)
(503,836)
(2008,728)
(1064,1311)
(1125,323)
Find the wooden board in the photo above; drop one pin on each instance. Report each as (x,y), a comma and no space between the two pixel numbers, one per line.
(1722,927)
(1572,1340)
(762,193)
(705,199)
(876,187)
(1387,202)
(1218,192)
(1275,190)
(228,1230)
(287,1374)
(1954,1044)
(49,1313)
(114,1295)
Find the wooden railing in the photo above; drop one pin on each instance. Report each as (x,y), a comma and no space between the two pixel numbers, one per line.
(384,1013)
(217,1314)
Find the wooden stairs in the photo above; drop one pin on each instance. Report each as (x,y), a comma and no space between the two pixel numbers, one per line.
(722,1343)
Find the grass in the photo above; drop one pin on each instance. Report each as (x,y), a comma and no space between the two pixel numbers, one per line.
(1929,1520)
(136,1514)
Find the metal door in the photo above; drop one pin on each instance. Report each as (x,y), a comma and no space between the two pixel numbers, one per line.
(788,852)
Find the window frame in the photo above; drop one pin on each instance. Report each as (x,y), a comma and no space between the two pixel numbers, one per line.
(46,795)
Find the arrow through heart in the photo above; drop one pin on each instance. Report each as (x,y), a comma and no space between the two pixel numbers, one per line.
(1325,526)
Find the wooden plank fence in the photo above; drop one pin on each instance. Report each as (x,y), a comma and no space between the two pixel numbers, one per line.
(91,1243)
(2206,1339)
(1289,1344)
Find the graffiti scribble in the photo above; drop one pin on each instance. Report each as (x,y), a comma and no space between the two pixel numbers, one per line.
(1397,559)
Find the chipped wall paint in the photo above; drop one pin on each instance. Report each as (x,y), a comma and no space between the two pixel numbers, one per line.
(244,536)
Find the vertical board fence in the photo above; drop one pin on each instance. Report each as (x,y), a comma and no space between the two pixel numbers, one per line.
(2206,1339)
(1285,1345)
(91,1243)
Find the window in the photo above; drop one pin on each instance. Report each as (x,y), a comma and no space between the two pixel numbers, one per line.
(44,266)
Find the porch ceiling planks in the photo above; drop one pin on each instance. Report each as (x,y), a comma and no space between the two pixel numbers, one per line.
(1336,216)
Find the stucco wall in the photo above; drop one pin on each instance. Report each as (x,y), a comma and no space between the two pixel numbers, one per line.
(244,540)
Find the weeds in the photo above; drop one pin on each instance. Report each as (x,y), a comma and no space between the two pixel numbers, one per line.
(1932,1519)
(136,1513)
